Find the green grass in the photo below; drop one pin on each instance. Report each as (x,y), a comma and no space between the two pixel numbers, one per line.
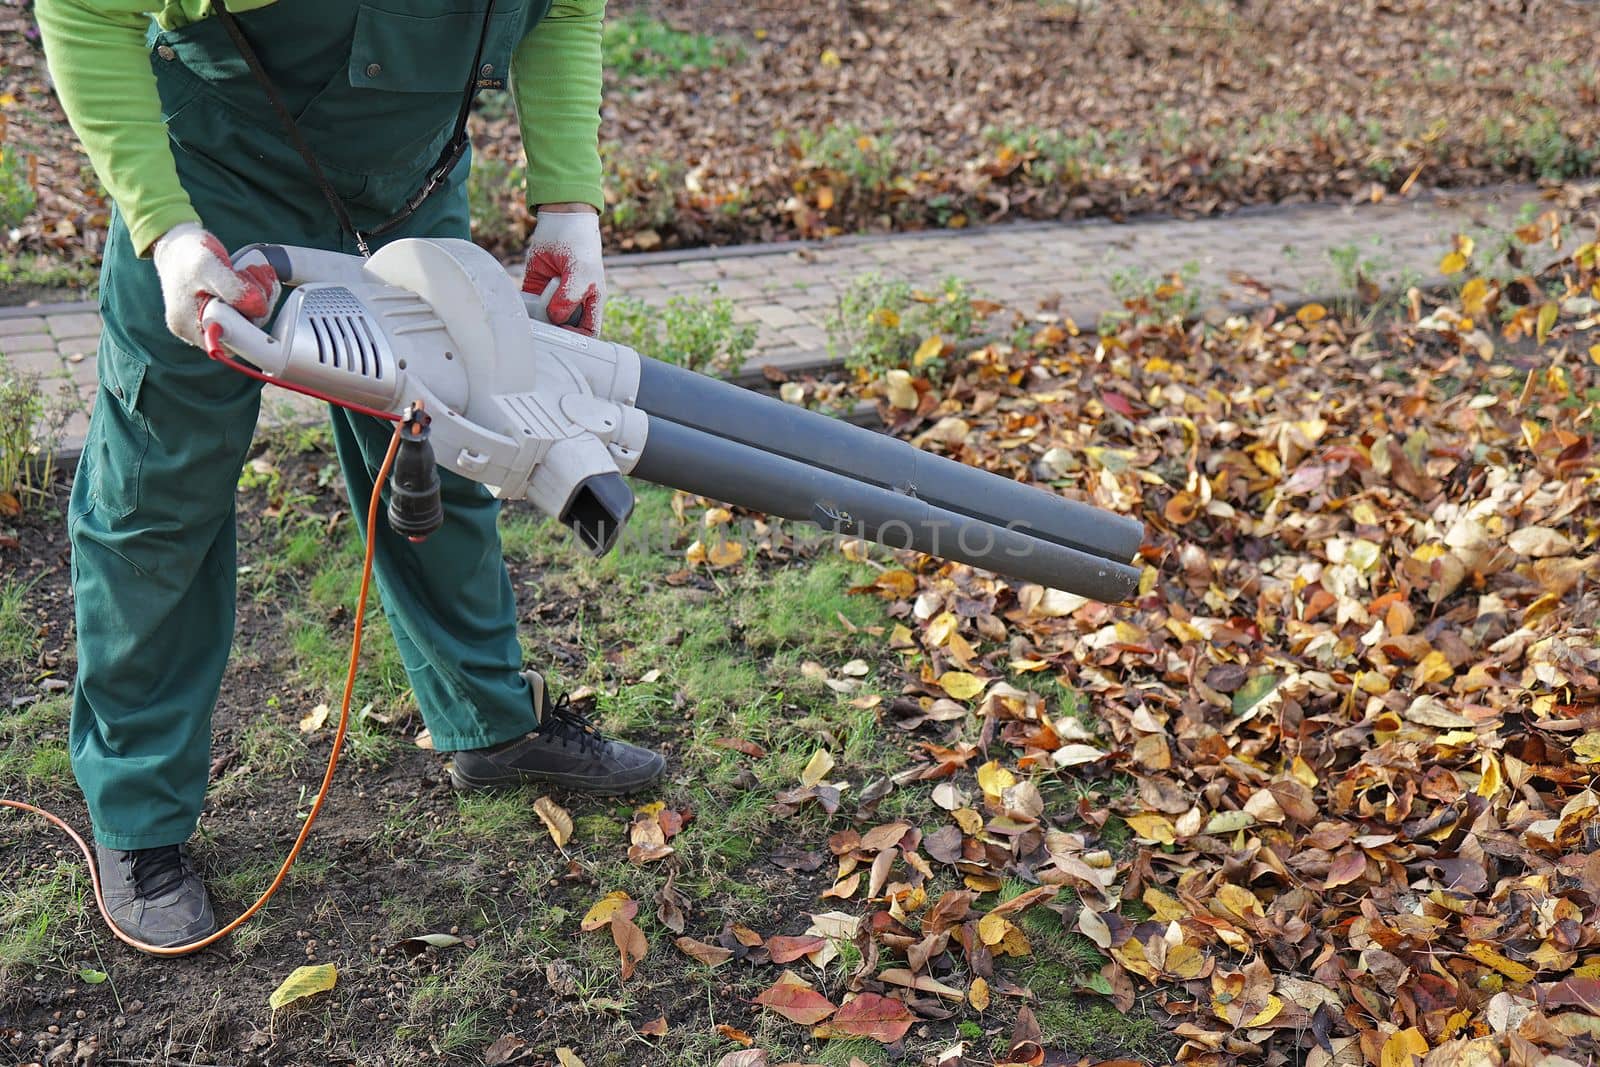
(40,913)
(637,46)
(19,635)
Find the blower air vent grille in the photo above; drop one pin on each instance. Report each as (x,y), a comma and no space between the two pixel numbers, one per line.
(345,336)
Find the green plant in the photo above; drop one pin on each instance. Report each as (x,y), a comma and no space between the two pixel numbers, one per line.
(879,324)
(1149,298)
(486,191)
(638,46)
(645,187)
(30,428)
(690,331)
(17,197)
(869,160)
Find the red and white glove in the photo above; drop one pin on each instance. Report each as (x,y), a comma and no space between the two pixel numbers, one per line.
(564,267)
(193,267)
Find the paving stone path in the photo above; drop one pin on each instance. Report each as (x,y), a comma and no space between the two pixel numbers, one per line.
(788,290)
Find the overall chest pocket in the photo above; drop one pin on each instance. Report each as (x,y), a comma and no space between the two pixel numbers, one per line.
(404,53)
(396,99)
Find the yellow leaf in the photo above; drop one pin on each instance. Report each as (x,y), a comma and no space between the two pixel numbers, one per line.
(968,819)
(1402,1046)
(1587,747)
(978,995)
(901,393)
(817,768)
(600,915)
(1185,961)
(888,318)
(1311,313)
(1474,297)
(1152,827)
(825,198)
(1266,1014)
(961,685)
(1454,263)
(1547,319)
(725,553)
(555,819)
(992,928)
(1486,954)
(1164,906)
(7,100)
(303,982)
(1492,781)
(1465,245)
(314,719)
(929,350)
(830,58)
(1239,900)
(568,1058)
(994,779)
(940,629)
(1594,353)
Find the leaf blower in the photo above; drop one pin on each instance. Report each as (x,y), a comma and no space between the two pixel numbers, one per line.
(436,335)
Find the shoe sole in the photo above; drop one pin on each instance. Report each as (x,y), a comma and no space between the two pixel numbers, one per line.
(466,783)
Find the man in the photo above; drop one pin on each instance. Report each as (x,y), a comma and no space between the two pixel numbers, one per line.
(318,124)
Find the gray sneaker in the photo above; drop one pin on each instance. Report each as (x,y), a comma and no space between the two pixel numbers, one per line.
(155,894)
(567,750)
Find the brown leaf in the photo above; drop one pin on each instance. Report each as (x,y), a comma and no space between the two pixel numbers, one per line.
(785,949)
(631,943)
(869,1015)
(654,1028)
(795,1000)
(710,955)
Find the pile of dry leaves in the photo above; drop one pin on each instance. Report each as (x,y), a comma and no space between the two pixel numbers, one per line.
(873,115)
(1352,720)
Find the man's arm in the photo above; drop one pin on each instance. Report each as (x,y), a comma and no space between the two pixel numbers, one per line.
(97,58)
(555,77)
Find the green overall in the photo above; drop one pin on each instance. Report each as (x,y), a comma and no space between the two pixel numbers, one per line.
(152,514)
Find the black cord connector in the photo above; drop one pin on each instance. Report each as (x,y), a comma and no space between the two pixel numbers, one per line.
(415,510)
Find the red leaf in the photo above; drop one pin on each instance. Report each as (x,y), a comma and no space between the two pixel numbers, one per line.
(1346,868)
(789,949)
(796,1001)
(870,1015)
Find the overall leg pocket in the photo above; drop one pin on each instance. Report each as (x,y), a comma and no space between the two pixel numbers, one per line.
(119,433)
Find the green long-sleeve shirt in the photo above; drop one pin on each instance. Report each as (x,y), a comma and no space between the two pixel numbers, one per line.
(96,50)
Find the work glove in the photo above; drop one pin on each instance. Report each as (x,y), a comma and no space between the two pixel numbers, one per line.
(194,267)
(564,268)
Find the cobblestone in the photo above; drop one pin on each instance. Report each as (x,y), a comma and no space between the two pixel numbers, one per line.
(790,291)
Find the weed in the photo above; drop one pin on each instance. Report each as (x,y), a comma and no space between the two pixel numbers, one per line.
(636,46)
(17,196)
(879,324)
(1148,298)
(692,332)
(867,160)
(19,637)
(30,428)
(37,911)
(486,185)
(644,187)
(43,272)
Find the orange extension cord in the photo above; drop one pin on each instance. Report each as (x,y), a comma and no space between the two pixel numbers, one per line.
(327,779)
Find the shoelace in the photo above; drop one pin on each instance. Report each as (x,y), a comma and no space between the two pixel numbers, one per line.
(156,870)
(561,720)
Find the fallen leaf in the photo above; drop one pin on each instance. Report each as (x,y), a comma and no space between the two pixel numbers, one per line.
(555,819)
(303,982)
(869,1015)
(796,1000)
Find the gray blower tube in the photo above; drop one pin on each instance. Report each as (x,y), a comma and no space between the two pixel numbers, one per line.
(771,426)
(682,457)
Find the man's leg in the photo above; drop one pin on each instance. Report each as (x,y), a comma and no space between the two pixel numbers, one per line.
(152,527)
(448,600)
